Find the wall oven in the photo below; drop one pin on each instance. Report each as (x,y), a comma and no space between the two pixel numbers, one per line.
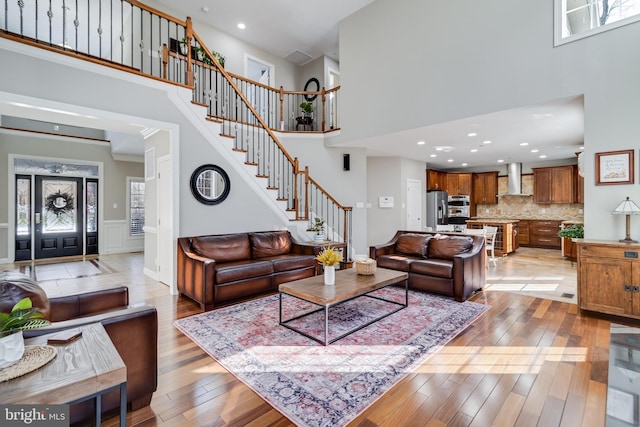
(458,208)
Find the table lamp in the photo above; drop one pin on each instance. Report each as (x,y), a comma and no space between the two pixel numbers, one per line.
(627,207)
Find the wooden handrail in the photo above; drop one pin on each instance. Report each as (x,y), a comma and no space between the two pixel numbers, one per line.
(158,12)
(243,98)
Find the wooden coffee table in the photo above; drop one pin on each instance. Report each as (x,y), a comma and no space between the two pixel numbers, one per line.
(348,285)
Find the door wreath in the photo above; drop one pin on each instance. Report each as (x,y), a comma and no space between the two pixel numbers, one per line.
(59,203)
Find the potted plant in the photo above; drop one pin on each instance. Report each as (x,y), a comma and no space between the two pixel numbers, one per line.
(573,231)
(318,228)
(329,258)
(22,317)
(307,108)
(183,46)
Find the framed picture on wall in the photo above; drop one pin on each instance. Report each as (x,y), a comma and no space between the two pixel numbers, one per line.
(614,167)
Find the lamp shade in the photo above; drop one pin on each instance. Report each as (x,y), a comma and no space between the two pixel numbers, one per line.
(626,207)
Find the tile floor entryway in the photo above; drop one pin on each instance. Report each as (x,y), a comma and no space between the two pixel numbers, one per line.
(542,273)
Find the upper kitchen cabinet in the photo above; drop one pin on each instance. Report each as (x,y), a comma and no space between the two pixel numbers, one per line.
(436,180)
(485,188)
(459,184)
(554,184)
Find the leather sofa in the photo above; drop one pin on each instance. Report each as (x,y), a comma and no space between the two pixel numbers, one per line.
(449,264)
(132,329)
(223,268)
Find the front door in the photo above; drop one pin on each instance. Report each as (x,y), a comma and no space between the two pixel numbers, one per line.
(58,217)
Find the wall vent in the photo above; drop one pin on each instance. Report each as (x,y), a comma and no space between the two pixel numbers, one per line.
(298,57)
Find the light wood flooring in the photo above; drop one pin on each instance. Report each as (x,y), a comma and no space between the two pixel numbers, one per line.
(527,361)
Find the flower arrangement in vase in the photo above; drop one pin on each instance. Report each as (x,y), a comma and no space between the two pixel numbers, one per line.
(329,258)
(22,317)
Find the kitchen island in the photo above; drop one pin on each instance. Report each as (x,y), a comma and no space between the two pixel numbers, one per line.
(507,236)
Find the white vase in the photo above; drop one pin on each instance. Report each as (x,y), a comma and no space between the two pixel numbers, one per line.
(318,237)
(329,275)
(11,349)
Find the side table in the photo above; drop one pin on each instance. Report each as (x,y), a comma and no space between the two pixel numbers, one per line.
(97,369)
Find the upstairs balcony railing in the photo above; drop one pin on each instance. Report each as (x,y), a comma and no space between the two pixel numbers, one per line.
(130,36)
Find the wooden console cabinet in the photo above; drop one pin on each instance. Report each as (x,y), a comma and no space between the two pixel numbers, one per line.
(609,277)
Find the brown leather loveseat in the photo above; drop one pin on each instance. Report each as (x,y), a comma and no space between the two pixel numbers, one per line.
(222,268)
(449,264)
(132,329)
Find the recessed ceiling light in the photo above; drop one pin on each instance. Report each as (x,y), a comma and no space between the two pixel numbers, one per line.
(205,9)
(474,150)
(421,142)
(465,164)
(500,161)
(241,25)
(450,160)
(433,155)
(534,150)
(439,148)
(524,143)
(582,148)
(543,156)
(486,142)
(472,134)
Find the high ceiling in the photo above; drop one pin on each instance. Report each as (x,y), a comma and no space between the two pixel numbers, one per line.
(280,27)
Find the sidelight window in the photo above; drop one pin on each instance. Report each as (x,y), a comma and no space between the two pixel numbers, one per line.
(136,206)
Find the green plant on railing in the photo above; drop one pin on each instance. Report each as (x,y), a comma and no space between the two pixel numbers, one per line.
(574,231)
(307,108)
(204,57)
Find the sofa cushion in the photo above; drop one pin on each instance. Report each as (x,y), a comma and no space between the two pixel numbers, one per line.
(446,247)
(292,262)
(433,267)
(413,244)
(223,248)
(396,262)
(270,243)
(15,286)
(233,271)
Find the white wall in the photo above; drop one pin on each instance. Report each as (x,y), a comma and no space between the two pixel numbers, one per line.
(387,176)
(233,49)
(443,61)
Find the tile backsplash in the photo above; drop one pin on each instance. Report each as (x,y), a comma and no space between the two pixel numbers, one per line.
(522,207)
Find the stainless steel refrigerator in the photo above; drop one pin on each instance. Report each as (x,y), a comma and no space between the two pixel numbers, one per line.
(437,213)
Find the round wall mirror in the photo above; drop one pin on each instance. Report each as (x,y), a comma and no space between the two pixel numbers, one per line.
(210,184)
(308,87)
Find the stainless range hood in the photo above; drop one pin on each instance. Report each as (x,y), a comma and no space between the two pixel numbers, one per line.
(514,179)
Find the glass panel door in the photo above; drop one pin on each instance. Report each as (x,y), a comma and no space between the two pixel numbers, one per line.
(92,217)
(58,217)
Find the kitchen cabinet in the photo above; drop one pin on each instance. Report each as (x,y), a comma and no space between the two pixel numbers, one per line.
(554,184)
(459,184)
(436,180)
(579,196)
(485,188)
(523,232)
(569,248)
(544,234)
(506,237)
(609,277)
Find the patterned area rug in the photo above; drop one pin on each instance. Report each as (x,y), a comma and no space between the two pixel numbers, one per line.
(316,385)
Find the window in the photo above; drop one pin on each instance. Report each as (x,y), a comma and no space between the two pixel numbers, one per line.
(576,19)
(136,206)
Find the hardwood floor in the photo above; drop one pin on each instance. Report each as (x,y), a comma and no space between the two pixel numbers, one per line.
(527,361)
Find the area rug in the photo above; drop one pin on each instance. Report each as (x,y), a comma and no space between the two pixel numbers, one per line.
(317,385)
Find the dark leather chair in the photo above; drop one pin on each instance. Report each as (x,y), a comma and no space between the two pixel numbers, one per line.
(132,329)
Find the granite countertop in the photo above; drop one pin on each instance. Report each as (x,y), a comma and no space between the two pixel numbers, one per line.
(492,221)
(564,220)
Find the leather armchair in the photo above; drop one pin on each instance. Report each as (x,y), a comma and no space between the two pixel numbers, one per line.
(132,329)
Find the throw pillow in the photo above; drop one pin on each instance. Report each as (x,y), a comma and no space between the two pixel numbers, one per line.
(413,244)
(446,247)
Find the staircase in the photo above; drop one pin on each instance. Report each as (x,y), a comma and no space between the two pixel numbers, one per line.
(135,38)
